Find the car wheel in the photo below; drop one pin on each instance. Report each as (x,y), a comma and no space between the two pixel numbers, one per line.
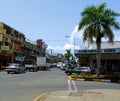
(8,72)
(24,71)
(36,70)
(68,73)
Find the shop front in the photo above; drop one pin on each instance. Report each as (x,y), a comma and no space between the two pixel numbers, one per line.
(110,59)
(5,59)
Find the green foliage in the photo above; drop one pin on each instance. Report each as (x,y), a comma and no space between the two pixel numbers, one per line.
(68,67)
(68,54)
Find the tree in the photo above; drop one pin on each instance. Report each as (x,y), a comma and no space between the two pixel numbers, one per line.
(98,23)
(68,55)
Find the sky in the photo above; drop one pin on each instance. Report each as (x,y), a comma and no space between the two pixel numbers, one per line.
(53,21)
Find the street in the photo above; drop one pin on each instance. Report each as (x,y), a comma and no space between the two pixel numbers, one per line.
(27,86)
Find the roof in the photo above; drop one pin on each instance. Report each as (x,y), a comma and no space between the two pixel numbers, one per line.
(106,45)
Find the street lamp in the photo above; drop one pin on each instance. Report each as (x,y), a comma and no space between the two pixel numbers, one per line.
(73,44)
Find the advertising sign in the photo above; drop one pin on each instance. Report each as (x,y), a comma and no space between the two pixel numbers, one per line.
(4,47)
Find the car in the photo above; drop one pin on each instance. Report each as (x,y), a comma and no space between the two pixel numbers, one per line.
(51,65)
(15,68)
(63,67)
(78,70)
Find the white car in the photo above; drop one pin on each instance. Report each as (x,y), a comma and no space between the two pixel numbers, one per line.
(63,67)
(15,68)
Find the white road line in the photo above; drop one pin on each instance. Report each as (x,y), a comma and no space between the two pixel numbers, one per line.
(69,85)
(75,87)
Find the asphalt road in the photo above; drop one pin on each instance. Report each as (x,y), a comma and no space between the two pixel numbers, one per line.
(26,87)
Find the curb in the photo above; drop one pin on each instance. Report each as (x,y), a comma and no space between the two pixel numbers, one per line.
(95,80)
(39,97)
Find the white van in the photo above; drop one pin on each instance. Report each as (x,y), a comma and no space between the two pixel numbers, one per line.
(59,64)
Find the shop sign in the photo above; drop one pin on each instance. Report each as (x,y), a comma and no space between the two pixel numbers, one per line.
(4,47)
(113,50)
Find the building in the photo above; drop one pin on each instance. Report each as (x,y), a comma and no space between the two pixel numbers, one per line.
(34,49)
(110,56)
(41,45)
(30,49)
(11,43)
(15,47)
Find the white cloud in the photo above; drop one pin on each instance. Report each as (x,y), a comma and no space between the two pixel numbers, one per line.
(68,46)
(58,48)
(76,38)
(75,42)
(116,36)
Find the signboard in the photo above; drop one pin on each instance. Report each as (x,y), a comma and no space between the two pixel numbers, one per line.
(112,50)
(4,47)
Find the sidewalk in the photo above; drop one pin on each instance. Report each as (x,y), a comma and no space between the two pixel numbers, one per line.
(83,95)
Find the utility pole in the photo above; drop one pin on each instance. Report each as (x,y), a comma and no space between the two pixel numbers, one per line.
(74,47)
(51,55)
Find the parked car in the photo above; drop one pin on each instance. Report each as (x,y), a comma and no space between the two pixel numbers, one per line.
(78,70)
(64,66)
(15,68)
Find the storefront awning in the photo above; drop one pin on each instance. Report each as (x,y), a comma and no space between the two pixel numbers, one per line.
(19,58)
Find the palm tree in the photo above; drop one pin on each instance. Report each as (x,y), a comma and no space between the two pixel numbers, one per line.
(68,54)
(98,23)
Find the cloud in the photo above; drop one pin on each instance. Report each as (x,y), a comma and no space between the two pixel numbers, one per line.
(75,42)
(56,49)
(116,36)
(76,38)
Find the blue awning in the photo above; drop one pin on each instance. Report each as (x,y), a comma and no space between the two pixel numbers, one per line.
(19,58)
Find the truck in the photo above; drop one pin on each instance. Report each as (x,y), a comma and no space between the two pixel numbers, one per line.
(59,64)
(30,64)
(41,63)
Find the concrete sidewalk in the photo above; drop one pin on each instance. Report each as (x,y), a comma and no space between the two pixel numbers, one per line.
(83,95)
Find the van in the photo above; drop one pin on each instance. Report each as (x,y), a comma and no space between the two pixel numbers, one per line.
(59,64)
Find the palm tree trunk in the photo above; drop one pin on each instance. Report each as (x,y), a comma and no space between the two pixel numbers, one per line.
(68,60)
(98,56)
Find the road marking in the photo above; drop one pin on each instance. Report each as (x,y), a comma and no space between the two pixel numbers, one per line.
(70,83)
(75,87)
(39,97)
